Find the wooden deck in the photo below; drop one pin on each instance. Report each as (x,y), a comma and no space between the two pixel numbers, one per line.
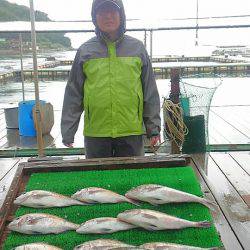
(228,125)
(224,178)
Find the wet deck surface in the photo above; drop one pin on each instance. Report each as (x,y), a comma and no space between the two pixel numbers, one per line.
(224,177)
(228,125)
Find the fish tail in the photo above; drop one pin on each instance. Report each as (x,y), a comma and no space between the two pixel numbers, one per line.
(75,226)
(204,224)
(132,201)
(216,248)
(210,204)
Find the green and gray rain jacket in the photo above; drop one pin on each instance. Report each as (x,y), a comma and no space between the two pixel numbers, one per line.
(113,83)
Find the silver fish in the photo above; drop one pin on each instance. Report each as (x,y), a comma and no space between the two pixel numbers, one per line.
(153,220)
(170,246)
(95,195)
(103,225)
(127,248)
(37,246)
(45,199)
(41,224)
(157,194)
(101,244)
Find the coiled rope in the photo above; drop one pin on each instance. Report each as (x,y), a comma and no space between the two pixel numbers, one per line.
(175,127)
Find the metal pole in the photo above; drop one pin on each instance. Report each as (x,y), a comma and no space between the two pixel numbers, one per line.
(145,39)
(21,59)
(37,118)
(197,23)
(151,45)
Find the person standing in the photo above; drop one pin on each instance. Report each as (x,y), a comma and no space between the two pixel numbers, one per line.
(112,81)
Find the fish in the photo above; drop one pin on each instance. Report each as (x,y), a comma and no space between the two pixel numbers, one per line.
(45,199)
(95,195)
(127,248)
(41,224)
(104,225)
(101,244)
(157,194)
(171,246)
(153,220)
(37,246)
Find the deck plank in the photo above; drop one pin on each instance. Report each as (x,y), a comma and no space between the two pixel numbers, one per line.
(5,184)
(243,159)
(3,142)
(7,171)
(231,133)
(216,137)
(234,119)
(234,173)
(228,237)
(228,198)
(6,165)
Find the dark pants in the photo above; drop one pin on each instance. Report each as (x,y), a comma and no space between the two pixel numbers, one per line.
(113,147)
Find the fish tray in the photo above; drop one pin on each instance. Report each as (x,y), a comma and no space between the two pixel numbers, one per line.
(98,172)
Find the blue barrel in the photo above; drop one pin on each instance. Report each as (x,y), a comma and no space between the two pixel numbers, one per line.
(25,118)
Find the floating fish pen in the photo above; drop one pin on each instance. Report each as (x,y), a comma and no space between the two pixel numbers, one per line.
(160,72)
(196,59)
(118,175)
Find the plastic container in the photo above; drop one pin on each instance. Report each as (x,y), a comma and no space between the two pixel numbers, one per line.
(25,118)
(11,117)
(195,140)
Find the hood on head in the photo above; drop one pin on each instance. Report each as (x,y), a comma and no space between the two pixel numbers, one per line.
(96,3)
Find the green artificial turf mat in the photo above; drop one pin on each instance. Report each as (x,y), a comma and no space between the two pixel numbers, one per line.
(120,181)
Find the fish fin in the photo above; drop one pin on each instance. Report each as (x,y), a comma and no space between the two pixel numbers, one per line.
(204,224)
(106,230)
(150,227)
(92,201)
(40,206)
(35,232)
(153,204)
(83,204)
(154,201)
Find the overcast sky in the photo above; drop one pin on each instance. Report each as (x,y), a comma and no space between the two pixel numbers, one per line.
(80,9)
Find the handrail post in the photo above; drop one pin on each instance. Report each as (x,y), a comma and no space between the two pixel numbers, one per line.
(37,118)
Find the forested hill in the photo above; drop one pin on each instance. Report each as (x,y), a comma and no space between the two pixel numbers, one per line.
(14,12)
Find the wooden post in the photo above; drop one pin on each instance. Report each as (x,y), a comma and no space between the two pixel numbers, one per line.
(175,98)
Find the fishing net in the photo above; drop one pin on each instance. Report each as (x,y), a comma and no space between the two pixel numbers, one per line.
(196,98)
(189,126)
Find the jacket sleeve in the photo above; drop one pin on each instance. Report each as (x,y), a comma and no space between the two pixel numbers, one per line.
(73,101)
(151,109)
